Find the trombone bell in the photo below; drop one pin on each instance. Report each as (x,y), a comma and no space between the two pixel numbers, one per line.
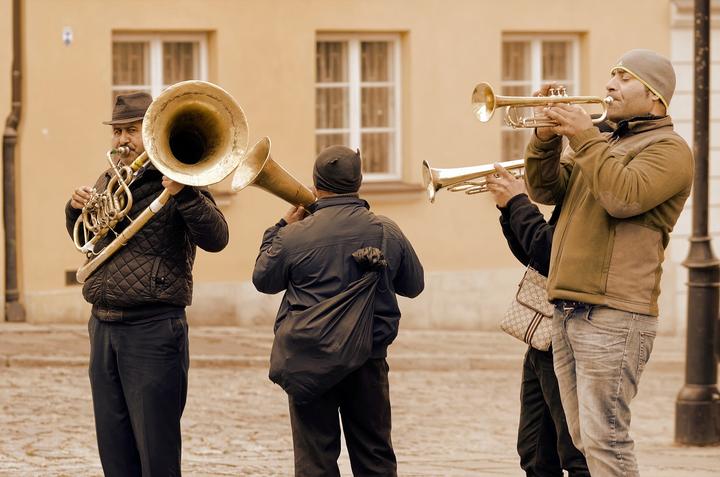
(258,169)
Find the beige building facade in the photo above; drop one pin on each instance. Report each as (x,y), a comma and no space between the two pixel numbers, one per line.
(392,77)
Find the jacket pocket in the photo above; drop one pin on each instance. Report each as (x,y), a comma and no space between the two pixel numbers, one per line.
(633,273)
(156,279)
(646,344)
(581,256)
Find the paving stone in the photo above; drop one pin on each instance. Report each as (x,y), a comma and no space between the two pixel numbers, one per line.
(455,398)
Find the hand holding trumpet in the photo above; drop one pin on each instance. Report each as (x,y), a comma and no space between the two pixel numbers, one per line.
(504,186)
(571,119)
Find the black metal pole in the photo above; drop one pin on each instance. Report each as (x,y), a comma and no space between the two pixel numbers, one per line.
(697,409)
(14,310)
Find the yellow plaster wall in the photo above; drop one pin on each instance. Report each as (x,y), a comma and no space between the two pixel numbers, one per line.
(262,52)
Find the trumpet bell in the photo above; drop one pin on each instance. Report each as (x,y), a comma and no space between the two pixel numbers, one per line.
(431,184)
(258,169)
(483,102)
(195,133)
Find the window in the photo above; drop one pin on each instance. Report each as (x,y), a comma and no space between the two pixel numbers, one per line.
(357,99)
(528,61)
(151,63)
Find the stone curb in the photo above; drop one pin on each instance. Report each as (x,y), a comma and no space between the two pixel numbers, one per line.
(29,361)
(399,362)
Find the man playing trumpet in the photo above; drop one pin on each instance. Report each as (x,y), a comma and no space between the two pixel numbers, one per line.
(138,331)
(621,194)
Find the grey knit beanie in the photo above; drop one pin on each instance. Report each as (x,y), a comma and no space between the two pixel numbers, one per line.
(651,69)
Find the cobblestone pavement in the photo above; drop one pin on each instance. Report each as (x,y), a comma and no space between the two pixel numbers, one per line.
(449,418)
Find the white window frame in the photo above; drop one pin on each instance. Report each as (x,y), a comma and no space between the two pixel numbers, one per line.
(536,80)
(156,40)
(354,86)
(536,41)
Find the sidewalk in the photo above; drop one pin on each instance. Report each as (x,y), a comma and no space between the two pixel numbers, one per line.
(431,350)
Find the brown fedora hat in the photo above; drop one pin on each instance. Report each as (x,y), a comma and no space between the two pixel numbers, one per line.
(129,108)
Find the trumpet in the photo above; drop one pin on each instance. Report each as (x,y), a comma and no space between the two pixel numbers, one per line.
(485,102)
(471,180)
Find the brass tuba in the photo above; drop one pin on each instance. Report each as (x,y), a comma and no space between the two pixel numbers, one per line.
(103,211)
(194,133)
(471,180)
(258,169)
(485,102)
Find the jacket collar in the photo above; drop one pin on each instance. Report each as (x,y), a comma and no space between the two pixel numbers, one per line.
(640,124)
(336,200)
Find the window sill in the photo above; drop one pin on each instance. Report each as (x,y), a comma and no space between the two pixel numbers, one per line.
(391,190)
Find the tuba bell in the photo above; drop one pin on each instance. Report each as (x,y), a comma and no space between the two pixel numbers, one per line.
(471,180)
(194,133)
(258,169)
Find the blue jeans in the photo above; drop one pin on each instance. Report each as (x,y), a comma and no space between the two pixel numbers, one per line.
(599,355)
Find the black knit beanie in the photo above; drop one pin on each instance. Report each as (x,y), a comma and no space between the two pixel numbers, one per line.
(338,169)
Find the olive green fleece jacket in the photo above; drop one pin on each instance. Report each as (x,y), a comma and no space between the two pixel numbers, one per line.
(622,193)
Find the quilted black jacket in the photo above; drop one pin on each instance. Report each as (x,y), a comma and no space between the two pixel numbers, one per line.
(312,261)
(155,266)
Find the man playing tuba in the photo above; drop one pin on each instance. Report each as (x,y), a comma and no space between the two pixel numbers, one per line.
(138,330)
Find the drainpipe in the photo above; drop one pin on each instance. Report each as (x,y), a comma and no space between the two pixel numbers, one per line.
(14,310)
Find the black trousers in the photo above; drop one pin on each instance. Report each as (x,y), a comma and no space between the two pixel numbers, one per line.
(544,443)
(138,377)
(363,399)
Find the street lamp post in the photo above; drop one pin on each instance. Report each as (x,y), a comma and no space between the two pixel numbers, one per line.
(697,408)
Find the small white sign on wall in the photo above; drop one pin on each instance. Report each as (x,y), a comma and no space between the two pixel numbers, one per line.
(67,35)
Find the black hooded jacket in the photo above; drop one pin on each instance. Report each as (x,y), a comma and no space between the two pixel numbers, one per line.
(312,261)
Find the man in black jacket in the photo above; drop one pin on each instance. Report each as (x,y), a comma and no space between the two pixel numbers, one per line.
(544,443)
(138,331)
(310,258)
